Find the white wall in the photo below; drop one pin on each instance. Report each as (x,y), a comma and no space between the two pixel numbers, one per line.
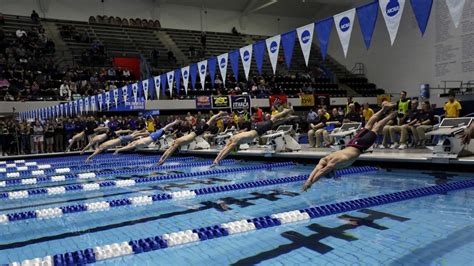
(411,60)
(170,16)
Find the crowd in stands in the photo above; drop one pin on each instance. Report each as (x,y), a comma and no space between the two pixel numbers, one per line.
(137,22)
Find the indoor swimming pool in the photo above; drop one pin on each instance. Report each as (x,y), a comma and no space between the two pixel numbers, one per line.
(126,210)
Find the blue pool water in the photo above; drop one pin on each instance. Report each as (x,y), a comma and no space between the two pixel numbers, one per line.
(435,230)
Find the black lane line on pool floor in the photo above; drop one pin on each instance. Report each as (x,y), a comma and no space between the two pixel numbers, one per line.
(165,188)
(313,241)
(221,205)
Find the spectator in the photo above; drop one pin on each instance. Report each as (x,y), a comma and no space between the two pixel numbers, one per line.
(312,116)
(452,107)
(367,113)
(235,32)
(424,122)
(49,136)
(258,114)
(406,125)
(403,104)
(35,17)
(59,135)
(316,132)
(111,74)
(25,144)
(352,115)
(203,41)
(192,51)
(155,55)
(65,91)
(38,137)
(171,57)
(126,74)
(20,33)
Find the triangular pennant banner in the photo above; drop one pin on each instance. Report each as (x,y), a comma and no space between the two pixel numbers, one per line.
(135,92)
(193,71)
(202,68)
(163,84)
(222,61)
(455,9)
(273,47)
(288,42)
(392,11)
(246,57)
(211,65)
(145,87)
(170,79)
(185,75)
(177,78)
(305,37)
(234,63)
(157,81)
(422,10)
(124,94)
(344,23)
(367,16)
(259,52)
(323,31)
(100,101)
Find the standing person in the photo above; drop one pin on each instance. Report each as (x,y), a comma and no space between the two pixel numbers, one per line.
(367,112)
(258,114)
(91,125)
(452,108)
(203,42)
(59,135)
(38,137)
(49,136)
(25,129)
(359,144)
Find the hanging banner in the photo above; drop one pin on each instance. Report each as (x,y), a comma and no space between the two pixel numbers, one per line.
(307,100)
(100,101)
(139,105)
(288,42)
(212,69)
(259,52)
(193,71)
(273,48)
(79,106)
(392,11)
(234,63)
(177,78)
(86,104)
(145,87)
(157,81)
(124,94)
(203,102)
(116,98)
(278,100)
(163,84)
(323,31)
(240,102)
(455,9)
(246,57)
(135,92)
(170,79)
(222,61)
(185,75)
(202,67)
(344,23)
(93,104)
(305,37)
(220,102)
(422,11)
(367,16)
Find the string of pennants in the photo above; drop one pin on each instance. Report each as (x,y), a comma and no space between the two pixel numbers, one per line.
(152,88)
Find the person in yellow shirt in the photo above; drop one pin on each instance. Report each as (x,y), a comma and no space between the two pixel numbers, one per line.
(367,112)
(452,107)
(150,125)
(274,110)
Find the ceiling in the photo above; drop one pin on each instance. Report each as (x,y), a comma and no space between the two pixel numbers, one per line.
(285,8)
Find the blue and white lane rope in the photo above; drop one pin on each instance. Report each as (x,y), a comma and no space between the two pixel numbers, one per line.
(78,171)
(150,199)
(114,250)
(71,188)
(11,171)
(68,175)
(71,158)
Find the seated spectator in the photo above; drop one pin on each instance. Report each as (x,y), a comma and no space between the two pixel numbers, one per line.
(20,33)
(452,107)
(335,120)
(126,74)
(35,17)
(424,123)
(317,128)
(352,115)
(405,126)
(65,91)
(157,24)
(312,116)
(111,74)
(125,22)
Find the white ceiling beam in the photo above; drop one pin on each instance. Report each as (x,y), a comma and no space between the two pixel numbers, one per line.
(249,8)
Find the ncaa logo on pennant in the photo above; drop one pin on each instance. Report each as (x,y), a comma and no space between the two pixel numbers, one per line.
(203,69)
(246,56)
(345,24)
(223,63)
(185,74)
(273,47)
(305,36)
(170,77)
(392,8)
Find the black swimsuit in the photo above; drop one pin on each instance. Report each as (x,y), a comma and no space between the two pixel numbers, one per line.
(363,140)
(263,127)
(200,129)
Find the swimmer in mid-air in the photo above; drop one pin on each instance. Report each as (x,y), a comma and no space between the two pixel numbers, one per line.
(360,143)
(109,135)
(200,129)
(467,135)
(81,135)
(259,129)
(144,142)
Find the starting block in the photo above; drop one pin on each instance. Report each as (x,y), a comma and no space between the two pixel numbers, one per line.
(344,134)
(449,145)
(197,144)
(165,142)
(281,140)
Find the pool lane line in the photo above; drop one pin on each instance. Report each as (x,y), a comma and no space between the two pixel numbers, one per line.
(70,157)
(94,186)
(57,212)
(63,168)
(93,173)
(114,250)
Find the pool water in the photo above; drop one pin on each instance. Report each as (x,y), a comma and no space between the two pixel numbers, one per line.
(434,230)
